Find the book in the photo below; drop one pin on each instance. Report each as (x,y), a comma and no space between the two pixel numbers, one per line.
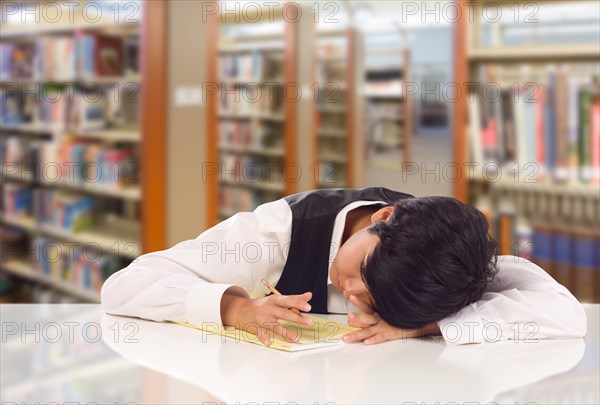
(561,139)
(322,333)
(563,257)
(108,55)
(595,141)
(543,246)
(587,264)
(22,61)
(6,50)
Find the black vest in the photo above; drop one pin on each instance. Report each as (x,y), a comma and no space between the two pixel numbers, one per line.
(313,218)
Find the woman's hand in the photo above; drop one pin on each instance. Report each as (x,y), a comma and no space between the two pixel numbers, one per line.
(260,315)
(376,330)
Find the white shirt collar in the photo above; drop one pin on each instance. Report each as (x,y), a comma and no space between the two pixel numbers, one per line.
(338,229)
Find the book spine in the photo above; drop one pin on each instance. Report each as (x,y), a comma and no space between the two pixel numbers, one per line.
(584,138)
(587,265)
(543,246)
(563,258)
(595,141)
(573,133)
(561,140)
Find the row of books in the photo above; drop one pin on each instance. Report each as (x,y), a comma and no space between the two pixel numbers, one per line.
(73,266)
(569,253)
(331,174)
(555,126)
(246,135)
(384,83)
(78,111)
(75,162)
(238,199)
(58,209)
(64,58)
(20,157)
(17,199)
(250,169)
(100,166)
(384,109)
(251,100)
(332,146)
(250,66)
(384,134)
(334,122)
(64,210)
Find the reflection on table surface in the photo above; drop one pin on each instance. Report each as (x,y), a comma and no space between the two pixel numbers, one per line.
(75,353)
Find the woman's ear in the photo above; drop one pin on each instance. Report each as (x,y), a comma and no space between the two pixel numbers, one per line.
(383,214)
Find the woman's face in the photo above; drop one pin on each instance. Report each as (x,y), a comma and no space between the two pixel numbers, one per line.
(352,255)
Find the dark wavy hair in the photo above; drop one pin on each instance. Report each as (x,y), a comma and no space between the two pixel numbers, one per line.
(434,257)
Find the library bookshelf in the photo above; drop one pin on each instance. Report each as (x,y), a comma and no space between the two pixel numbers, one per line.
(339,111)
(242,135)
(534,144)
(388,108)
(251,125)
(62,235)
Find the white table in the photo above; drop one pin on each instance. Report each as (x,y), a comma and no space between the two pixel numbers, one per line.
(75,353)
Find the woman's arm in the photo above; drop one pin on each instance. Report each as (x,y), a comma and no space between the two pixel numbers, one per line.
(186,282)
(522,303)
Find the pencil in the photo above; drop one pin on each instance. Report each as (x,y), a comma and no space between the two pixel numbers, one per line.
(274,291)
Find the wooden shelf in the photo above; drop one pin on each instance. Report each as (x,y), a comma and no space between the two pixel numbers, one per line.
(331,133)
(333,108)
(25,270)
(386,96)
(248,116)
(336,184)
(121,80)
(520,54)
(384,117)
(25,31)
(33,128)
(26,223)
(107,135)
(270,48)
(133,192)
(333,157)
(105,240)
(275,152)
(111,135)
(507,182)
(259,185)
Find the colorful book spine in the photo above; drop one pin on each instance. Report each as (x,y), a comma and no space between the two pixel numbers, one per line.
(595,141)
(587,265)
(585,101)
(540,144)
(543,247)
(563,257)
(549,123)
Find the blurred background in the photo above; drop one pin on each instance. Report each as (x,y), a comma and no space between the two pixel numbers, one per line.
(128,126)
